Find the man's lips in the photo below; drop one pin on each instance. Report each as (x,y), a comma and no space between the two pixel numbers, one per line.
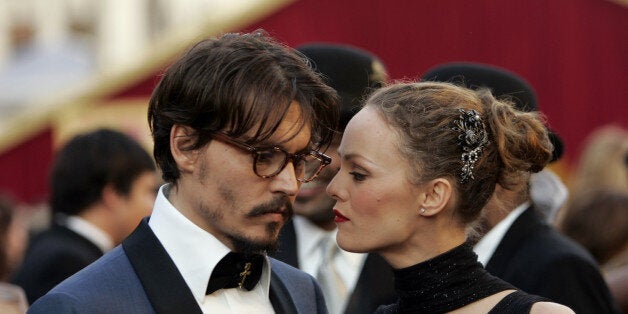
(276,216)
(276,213)
(339,217)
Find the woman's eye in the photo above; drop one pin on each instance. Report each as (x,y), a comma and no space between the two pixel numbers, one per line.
(357,176)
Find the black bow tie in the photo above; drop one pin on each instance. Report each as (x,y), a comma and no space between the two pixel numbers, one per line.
(236,270)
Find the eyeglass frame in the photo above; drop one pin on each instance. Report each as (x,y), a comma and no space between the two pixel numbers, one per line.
(324,159)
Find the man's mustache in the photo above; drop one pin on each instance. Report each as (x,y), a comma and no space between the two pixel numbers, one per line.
(280,205)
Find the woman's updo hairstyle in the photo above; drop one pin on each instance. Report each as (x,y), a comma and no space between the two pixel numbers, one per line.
(465,136)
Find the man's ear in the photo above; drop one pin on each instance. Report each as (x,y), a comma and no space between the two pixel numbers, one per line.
(437,195)
(111,198)
(182,138)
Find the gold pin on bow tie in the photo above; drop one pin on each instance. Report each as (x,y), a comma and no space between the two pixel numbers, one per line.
(244,274)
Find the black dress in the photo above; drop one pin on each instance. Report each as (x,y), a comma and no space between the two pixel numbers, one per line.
(450,281)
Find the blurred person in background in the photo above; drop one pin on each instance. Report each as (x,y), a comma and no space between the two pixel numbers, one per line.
(363,281)
(596,214)
(602,164)
(102,184)
(13,238)
(516,243)
(598,220)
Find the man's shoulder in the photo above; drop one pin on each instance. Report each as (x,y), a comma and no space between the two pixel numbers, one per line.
(549,264)
(544,255)
(302,288)
(57,251)
(553,246)
(106,269)
(61,239)
(54,234)
(104,283)
(282,269)
(293,278)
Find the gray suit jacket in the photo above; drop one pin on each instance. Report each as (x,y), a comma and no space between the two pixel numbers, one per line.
(140,277)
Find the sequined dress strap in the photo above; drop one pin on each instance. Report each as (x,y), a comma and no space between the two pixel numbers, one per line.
(517,302)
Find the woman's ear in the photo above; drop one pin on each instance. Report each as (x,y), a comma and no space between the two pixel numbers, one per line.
(182,138)
(437,195)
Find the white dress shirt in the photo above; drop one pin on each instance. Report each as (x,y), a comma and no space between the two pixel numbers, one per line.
(90,231)
(310,257)
(195,253)
(488,244)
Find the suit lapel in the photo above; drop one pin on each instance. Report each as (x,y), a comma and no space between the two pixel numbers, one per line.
(164,285)
(287,251)
(526,223)
(280,296)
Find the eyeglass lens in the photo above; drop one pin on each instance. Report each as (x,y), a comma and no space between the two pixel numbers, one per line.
(272,161)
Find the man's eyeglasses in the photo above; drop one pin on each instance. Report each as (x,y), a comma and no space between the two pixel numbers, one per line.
(269,161)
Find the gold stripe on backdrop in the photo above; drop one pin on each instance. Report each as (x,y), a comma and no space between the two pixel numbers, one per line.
(38,114)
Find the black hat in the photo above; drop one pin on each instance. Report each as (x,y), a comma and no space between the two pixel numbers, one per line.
(351,71)
(501,82)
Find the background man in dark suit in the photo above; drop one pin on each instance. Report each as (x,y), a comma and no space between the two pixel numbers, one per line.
(237,123)
(517,244)
(102,184)
(365,281)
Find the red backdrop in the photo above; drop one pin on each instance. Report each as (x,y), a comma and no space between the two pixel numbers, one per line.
(574,53)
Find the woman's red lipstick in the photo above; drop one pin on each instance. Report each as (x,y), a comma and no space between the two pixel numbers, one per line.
(339,217)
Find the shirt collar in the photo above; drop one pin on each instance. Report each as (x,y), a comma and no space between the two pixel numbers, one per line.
(89,231)
(489,242)
(193,250)
(309,237)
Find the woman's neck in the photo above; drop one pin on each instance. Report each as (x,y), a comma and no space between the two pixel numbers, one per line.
(424,245)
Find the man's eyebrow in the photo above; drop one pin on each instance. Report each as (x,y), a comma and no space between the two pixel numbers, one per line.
(304,150)
(266,144)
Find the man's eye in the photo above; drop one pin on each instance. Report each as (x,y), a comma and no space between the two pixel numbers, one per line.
(357,176)
(267,157)
(300,163)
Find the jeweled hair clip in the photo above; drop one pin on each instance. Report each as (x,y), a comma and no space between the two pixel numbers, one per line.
(472,139)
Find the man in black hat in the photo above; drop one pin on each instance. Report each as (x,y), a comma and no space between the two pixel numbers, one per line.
(308,241)
(517,245)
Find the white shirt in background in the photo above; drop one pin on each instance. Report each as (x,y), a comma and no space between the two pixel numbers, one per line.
(90,231)
(310,257)
(488,244)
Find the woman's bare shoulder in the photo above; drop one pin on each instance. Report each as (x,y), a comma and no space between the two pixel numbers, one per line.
(550,307)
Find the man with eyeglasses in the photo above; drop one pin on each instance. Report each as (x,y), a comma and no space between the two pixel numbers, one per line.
(238,124)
